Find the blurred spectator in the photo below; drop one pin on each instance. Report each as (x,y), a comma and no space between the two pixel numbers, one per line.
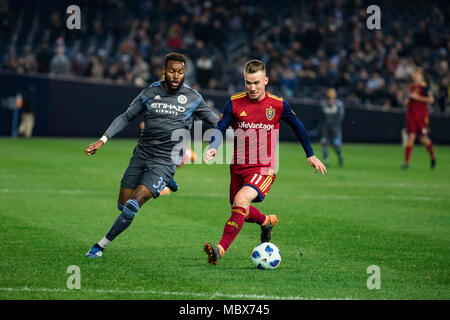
(189,74)
(60,63)
(288,82)
(204,67)
(98,65)
(7,21)
(80,65)
(443,93)
(141,72)
(174,37)
(43,58)
(393,97)
(404,69)
(308,46)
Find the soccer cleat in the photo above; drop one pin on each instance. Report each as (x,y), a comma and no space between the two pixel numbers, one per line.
(213,253)
(266,228)
(341,161)
(433,163)
(405,166)
(173,185)
(95,252)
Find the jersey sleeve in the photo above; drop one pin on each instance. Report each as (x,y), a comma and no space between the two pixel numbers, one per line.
(203,112)
(119,123)
(224,122)
(298,127)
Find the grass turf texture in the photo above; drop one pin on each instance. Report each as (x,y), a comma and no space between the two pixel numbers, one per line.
(56,202)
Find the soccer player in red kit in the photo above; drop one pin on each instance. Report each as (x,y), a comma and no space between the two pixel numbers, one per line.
(417,118)
(255,118)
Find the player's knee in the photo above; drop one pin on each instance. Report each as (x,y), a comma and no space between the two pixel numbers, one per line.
(425,140)
(241,201)
(131,208)
(142,195)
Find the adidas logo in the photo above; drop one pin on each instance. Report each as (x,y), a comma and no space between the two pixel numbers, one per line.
(243,114)
(157,97)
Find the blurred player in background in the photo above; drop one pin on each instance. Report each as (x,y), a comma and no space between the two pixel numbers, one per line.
(332,116)
(417,118)
(167,105)
(27,124)
(254,114)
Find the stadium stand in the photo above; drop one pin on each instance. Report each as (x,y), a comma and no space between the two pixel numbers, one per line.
(307,45)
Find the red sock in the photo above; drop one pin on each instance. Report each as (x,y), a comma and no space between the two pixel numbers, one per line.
(255,216)
(232,227)
(408,151)
(430,150)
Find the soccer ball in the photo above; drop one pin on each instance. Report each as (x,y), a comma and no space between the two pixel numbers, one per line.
(266,256)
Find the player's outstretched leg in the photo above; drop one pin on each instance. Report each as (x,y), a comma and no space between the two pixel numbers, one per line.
(230,232)
(123,221)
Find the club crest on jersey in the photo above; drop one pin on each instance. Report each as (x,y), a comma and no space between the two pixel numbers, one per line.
(182,99)
(270,113)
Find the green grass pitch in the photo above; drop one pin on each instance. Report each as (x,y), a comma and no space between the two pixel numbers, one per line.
(56,202)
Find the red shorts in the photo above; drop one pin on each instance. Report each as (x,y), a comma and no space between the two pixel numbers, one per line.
(250,177)
(418,124)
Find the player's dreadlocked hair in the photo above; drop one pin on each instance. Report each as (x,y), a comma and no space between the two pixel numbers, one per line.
(174,56)
(254,66)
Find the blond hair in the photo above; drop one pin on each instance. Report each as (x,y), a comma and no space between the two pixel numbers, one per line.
(254,66)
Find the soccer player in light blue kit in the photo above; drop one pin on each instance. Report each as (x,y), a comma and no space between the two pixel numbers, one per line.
(333,113)
(167,105)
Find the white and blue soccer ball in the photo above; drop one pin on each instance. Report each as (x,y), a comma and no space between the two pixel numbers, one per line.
(266,256)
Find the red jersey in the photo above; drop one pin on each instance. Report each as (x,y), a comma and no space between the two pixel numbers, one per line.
(417,120)
(417,107)
(256,125)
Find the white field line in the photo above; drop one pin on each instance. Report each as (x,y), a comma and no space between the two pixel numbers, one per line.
(219,195)
(168,293)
